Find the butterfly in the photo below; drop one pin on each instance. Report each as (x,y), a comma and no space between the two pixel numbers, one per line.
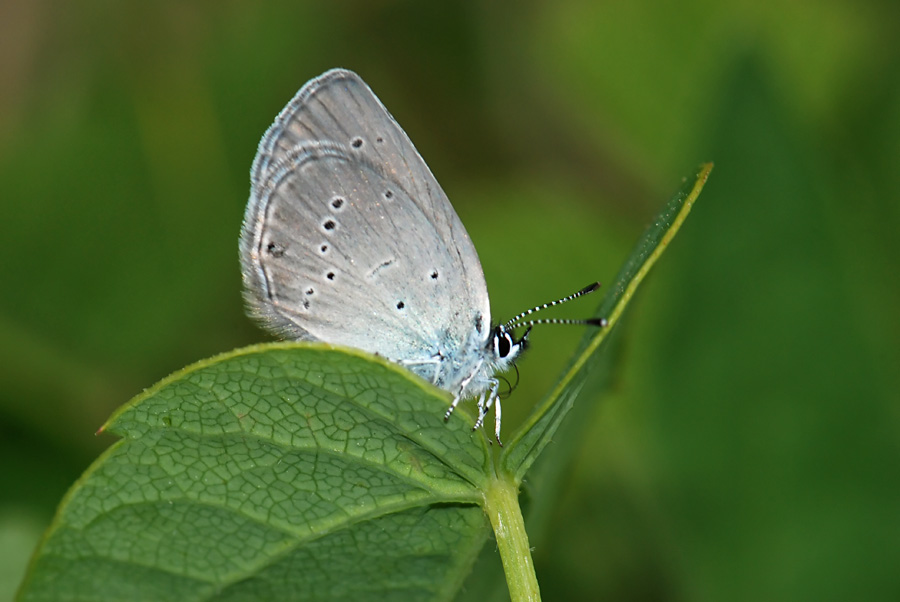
(349,239)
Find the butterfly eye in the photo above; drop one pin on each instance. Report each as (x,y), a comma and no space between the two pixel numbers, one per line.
(502,344)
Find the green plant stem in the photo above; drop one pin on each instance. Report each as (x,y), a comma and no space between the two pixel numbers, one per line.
(502,507)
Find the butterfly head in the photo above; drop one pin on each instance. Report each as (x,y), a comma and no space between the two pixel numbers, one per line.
(505,347)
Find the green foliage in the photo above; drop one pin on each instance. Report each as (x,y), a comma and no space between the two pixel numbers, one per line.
(298,471)
(547,417)
(745,448)
(275,472)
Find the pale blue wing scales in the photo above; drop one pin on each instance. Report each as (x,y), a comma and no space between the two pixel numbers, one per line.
(338,107)
(334,250)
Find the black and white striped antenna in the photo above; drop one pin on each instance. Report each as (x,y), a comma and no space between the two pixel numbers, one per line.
(515,322)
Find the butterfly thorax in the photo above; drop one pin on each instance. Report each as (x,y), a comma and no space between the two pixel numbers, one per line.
(468,370)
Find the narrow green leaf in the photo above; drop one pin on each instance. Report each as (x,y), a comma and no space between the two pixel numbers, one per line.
(526,445)
(277,472)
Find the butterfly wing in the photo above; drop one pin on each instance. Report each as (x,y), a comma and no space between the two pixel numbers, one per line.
(348,238)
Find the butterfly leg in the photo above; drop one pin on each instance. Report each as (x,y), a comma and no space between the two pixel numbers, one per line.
(462,391)
(489,398)
(437,368)
(493,399)
(452,407)
(434,360)
(482,411)
(497,422)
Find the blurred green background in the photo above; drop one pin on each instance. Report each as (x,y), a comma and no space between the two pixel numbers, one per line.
(750,448)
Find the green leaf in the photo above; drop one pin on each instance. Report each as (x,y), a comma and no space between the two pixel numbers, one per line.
(277,472)
(297,471)
(538,430)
